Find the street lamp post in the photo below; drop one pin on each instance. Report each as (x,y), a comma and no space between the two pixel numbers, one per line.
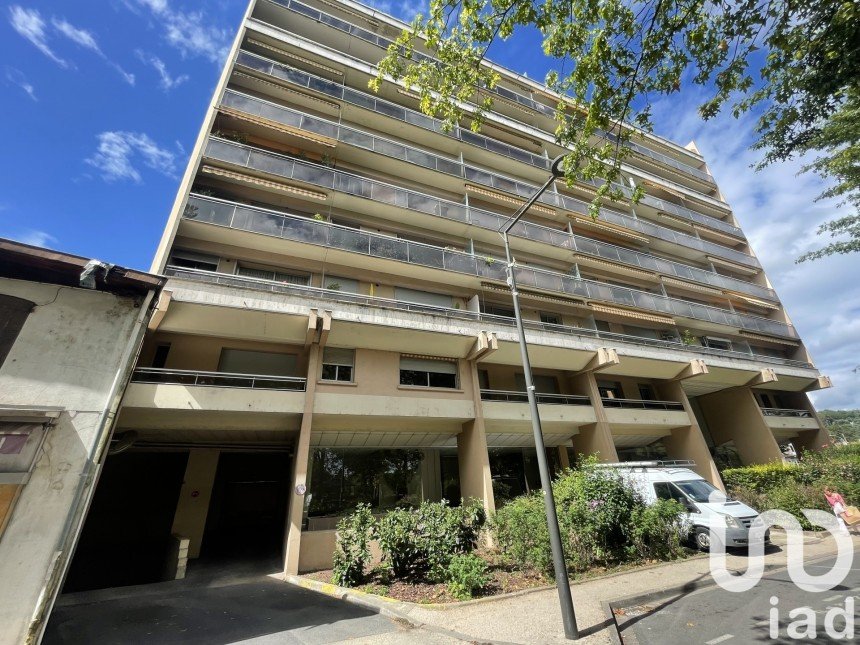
(562,582)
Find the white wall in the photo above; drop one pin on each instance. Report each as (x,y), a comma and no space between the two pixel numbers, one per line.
(68,355)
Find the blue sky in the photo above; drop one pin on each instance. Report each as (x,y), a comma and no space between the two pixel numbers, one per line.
(101,100)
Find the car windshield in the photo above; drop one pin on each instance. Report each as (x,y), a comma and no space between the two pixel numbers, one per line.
(700,491)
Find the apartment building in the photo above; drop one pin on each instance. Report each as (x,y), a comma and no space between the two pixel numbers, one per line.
(337,328)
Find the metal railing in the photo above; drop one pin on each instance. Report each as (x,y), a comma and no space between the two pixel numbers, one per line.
(641,404)
(155,375)
(305,292)
(511,396)
(786,412)
(303,229)
(259,107)
(334,90)
(498,90)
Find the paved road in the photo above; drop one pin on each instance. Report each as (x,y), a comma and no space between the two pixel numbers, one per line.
(713,616)
(260,611)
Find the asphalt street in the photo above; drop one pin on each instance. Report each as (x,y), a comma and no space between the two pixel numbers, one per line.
(713,616)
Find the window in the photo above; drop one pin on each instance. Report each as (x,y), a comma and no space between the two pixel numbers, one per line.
(242,361)
(610,389)
(550,318)
(159,359)
(336,283)
(646,392)
(499,311)
(717,343)
(423,297)
(484,379)
(428,373)
(665,490)
(601,325)
(641,332)
(543,384)
(338,364)
(13,315)
(271,274)
(191,260)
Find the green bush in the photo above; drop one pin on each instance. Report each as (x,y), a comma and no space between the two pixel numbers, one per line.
(761,477)
(466,574)
(521,532)
(603,521)
(352,546)
(419,543)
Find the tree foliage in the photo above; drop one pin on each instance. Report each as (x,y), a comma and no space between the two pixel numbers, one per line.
(795,63)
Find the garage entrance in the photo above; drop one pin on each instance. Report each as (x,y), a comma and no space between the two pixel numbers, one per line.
(248,511)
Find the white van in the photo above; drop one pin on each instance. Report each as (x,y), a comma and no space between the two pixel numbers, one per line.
(707,507)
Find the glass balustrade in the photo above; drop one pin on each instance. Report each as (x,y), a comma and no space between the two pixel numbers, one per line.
(302,229)
(277,164)
(360,99)
(305,292)
(510,95)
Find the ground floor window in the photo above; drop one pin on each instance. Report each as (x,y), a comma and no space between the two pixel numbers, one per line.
(515,471)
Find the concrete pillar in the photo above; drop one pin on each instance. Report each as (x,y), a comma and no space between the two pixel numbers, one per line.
(476,481)
(192,508)
(292,544)
(688,442)
(563,457)
(734,415)
(594,438)
(811,439)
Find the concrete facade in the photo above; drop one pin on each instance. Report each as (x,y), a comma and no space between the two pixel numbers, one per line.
(60,384)
(348,231)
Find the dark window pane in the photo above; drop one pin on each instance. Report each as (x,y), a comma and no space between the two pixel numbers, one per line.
(344,373)
(412,377)
(442,380)
(329,372)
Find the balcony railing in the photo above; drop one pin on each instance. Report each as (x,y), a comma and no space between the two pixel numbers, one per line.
(217,379)
(786,412)
(521,397)
(324,177)
(363,100)
(510,95)
(358,138)
(305,292)
(303,229)
(639,404)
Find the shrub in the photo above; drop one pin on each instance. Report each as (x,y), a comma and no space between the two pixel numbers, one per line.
(466,574)
(521,532)
(352,546)
(760,477)
(657,530)
(420,542)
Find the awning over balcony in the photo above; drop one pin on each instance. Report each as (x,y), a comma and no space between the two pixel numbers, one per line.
(627,313)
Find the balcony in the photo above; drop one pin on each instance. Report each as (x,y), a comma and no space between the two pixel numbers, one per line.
(154,375)
(544,399)
(502,92)
(307,231)
(392,110)
(212,403)
(507,416)
(290,168)
(786,422)
(303,292)
(351,136)
(639,404)
(636,422)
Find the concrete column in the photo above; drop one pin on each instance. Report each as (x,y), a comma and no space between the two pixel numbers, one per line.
(734,415)
(193,505)
(292,544)
(474,461)
(688,442)
(594,438)
(811,439)
(563,457)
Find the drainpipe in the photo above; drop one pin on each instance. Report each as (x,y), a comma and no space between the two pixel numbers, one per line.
(68,540)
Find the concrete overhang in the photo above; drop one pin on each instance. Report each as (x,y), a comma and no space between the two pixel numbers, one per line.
(504,416)
(364,411)
(638,421)
(418,435)
(523,439)
(776,423)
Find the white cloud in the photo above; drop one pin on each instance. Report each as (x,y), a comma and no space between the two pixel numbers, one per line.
(118,153)
(189,32)
(32,237)
(17,77)
(87,40)
(30,25)
(167,81)
(405,10)
(778,212)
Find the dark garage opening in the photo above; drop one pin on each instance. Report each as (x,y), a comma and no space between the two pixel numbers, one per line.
(126,536)
(247,514)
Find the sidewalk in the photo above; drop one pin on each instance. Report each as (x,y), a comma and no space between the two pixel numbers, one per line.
(535,617)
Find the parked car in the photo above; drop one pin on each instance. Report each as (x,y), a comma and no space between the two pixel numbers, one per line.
(708,508)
